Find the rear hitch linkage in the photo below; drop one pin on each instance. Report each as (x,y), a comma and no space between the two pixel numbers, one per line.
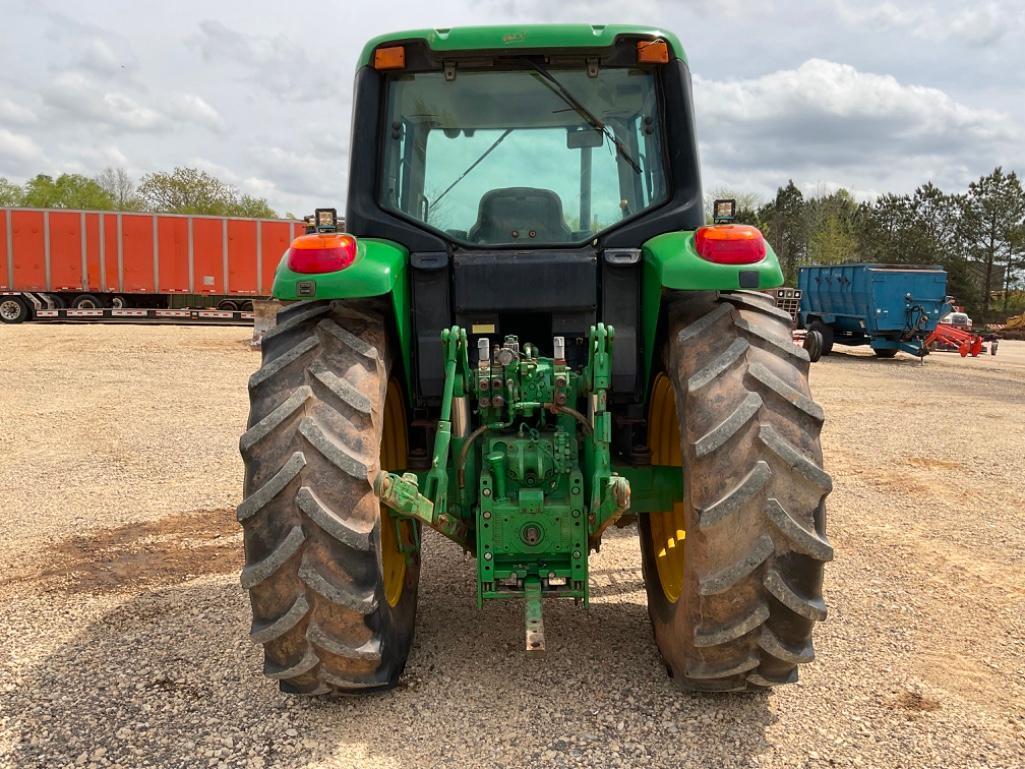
(533,519)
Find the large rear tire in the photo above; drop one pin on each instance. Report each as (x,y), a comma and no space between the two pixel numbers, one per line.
(734,572)
(333,596)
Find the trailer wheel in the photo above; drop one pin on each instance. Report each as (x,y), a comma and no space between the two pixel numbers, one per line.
(888,352)
(734,571)
(13,309)
(247,305)
(118,302)
(813,344)
(86,302)
(333,591)
(227,304)
(827,336)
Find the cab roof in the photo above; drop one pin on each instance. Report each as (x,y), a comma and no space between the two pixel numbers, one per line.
(523,37)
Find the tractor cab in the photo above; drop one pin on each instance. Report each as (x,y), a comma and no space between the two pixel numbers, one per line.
(524,180)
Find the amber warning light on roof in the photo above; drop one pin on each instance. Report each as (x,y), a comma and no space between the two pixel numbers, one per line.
(392,57)
(652,52)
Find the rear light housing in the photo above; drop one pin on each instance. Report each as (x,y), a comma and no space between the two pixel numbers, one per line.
(730,244)
(319,253)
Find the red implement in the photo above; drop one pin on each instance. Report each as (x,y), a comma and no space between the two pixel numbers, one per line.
(950,338)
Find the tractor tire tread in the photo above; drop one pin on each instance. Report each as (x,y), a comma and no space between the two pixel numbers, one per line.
(256,572)
(268,631)
(754,492)
(724,579)
(726,506)
(272,421)
(785,392)
(310,519)
(263,495)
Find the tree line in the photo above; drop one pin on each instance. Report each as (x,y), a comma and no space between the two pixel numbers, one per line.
(181,191)
(977,236)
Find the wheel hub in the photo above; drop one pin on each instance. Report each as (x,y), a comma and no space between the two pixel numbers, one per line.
(667,529)
(10,309)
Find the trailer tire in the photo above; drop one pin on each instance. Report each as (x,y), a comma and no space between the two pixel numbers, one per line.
(813,344)
(827,336)
(86,302)
(13,309)
(887,352)
(118,302)
(331,605)
(734,572)
(227,304)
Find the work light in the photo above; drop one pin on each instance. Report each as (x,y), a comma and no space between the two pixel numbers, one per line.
(724,211)
(327,219)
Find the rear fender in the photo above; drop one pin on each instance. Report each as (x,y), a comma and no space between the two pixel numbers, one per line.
(672,264)
(379,269)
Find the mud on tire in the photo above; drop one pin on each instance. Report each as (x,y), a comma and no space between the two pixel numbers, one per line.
(313,548)
(754,511)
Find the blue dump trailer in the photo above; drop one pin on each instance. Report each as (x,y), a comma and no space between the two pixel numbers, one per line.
(889,307)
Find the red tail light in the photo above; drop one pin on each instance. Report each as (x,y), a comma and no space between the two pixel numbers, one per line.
(325,252)
(730,244)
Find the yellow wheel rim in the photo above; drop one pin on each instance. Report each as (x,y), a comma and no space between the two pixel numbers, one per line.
(667,529)
(393,456)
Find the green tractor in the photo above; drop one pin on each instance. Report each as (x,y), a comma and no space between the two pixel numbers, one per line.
(526,335)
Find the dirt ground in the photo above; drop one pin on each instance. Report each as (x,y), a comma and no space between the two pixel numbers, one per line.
(123,639)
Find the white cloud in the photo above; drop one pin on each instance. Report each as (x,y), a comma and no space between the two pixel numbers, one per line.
(299,173)
(260,187)
(76,96)
(981,25)
(880,14)
(275,63)
(222,172)
(94,156)
(830,124)
(824,109)
(100,56)
(12,113)
(18,153)
(195,109)
(79,96)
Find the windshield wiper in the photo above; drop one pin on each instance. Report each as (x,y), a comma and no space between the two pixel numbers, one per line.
(586,114)
(472,166)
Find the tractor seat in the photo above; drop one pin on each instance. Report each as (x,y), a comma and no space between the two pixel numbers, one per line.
(511,214)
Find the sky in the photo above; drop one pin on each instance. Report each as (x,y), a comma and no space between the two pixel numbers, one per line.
(871,96)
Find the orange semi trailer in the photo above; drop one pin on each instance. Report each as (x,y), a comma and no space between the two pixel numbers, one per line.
(103,263)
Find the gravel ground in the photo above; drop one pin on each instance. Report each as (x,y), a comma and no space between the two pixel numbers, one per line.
(123,641)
